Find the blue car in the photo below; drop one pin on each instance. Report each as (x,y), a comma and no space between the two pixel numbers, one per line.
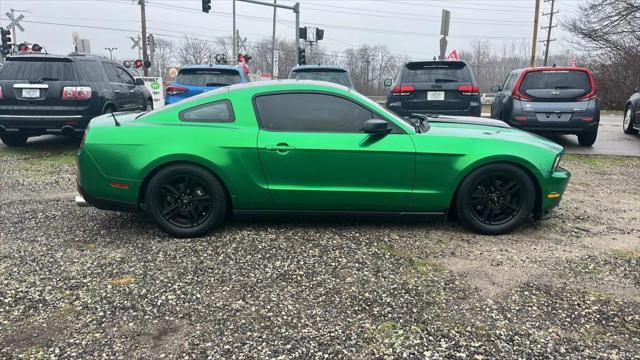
(196,79)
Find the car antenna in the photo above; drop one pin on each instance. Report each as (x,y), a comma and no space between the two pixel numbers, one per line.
(114,117)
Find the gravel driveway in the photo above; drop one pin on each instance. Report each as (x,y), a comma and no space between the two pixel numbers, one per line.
(82,283)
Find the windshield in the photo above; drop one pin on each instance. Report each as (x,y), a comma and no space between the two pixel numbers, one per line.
(436,72)
(208,77)
(340,77)
(38,70)
(556,80)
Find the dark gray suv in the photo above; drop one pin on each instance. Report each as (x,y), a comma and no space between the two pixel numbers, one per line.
(550,100)
(434,87)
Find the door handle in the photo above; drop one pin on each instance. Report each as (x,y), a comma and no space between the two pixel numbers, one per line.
(131,91)
(282,147)
(116,91)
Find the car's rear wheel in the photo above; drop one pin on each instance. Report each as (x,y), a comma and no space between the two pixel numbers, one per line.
(186,200)
(588,138)
(12,140)
(495,199)
(629,119)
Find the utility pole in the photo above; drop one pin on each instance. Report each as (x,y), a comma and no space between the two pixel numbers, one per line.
(549,27)
(143,20)
(534,43)
(111,50)
(235,43)
(273,40)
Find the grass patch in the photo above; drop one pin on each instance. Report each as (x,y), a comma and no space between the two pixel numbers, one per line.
(423,267)
(603,161)
(628,254)
(123,281)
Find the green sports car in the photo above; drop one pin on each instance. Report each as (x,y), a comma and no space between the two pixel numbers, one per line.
(304,146)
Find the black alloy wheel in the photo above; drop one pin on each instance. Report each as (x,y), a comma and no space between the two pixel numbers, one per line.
(186,200)
(495,199)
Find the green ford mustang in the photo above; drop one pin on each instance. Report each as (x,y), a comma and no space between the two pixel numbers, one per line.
(312,147)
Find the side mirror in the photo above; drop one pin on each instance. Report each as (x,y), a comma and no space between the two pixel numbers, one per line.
(496,88)
(139,81)
(637,90)
(388,82)
(376,127)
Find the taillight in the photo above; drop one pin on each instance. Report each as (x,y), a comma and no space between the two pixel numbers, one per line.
(76,93)
(403,90)
(469,89)
(517,95)
(173,90)
(1,94)
(592,95)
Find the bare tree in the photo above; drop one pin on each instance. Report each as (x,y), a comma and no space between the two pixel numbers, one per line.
(164,57)
(195,51)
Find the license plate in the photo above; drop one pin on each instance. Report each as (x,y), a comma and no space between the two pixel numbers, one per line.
(30,93)
(435,95)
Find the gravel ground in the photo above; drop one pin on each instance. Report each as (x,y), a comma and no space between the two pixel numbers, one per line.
(81,283)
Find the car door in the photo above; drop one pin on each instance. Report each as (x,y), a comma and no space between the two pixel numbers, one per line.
(315,156)
(498,102)
(118,89)
(132,95)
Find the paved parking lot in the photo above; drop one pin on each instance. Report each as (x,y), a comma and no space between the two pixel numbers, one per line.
(80,283)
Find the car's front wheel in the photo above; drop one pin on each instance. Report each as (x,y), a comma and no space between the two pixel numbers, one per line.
(186,200)
(495,199)
(627,123)
(12,140)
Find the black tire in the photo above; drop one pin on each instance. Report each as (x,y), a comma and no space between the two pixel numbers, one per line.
(171,200)
(495,199)
(628,120)
(588,138)
(148,105)
(12,140)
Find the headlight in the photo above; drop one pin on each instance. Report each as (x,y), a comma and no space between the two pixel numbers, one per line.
(556,163)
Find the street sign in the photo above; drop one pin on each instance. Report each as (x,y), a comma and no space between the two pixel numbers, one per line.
(276,56)
(15,22)
(446,19)
(443,48)
(154,85)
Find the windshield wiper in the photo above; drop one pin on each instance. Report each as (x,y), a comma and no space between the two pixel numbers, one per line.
(445,80)
(45,78)
(216,84)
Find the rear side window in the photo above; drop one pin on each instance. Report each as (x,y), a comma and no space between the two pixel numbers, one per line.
(330,75)
(556,80)
(215,112)
(308,112)
(38,69)
(436,72)
(208,77)
(125,77)
(89,71)
(110,70)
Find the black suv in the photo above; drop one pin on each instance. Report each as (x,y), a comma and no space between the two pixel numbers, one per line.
(52,94)
(435,87)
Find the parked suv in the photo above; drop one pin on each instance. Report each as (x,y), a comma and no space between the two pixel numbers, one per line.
(550,100)
(196,79)
(434,87)
(53,94)
(329,73)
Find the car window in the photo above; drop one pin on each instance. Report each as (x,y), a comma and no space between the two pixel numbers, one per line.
(310,112)
(330,75)
(125,77)
(208,77)
(556,80)
(110,70)
(36,69)
(507,81)
(89,70)
(436,72)
(217,112)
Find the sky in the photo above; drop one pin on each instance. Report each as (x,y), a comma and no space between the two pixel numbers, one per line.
(406,27)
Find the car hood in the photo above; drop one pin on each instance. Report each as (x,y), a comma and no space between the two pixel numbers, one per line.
(480,131)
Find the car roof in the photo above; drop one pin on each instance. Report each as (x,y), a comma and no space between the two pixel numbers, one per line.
(210,66)
(70,56)
(318,67)
(288,83)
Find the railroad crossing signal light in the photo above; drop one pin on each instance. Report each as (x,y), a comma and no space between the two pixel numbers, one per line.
(138,64)
(206,6)
(302,59)
(6,41)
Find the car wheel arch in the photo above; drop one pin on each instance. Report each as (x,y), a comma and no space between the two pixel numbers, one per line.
(154,169)
(517,162)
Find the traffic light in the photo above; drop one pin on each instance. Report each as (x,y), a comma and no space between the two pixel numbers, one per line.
(302,58)
(302,32)
(319,34)
(206,6)
(151,41)
(6,41)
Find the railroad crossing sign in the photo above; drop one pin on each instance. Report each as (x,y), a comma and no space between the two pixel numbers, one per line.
(14,21)
(136,42)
